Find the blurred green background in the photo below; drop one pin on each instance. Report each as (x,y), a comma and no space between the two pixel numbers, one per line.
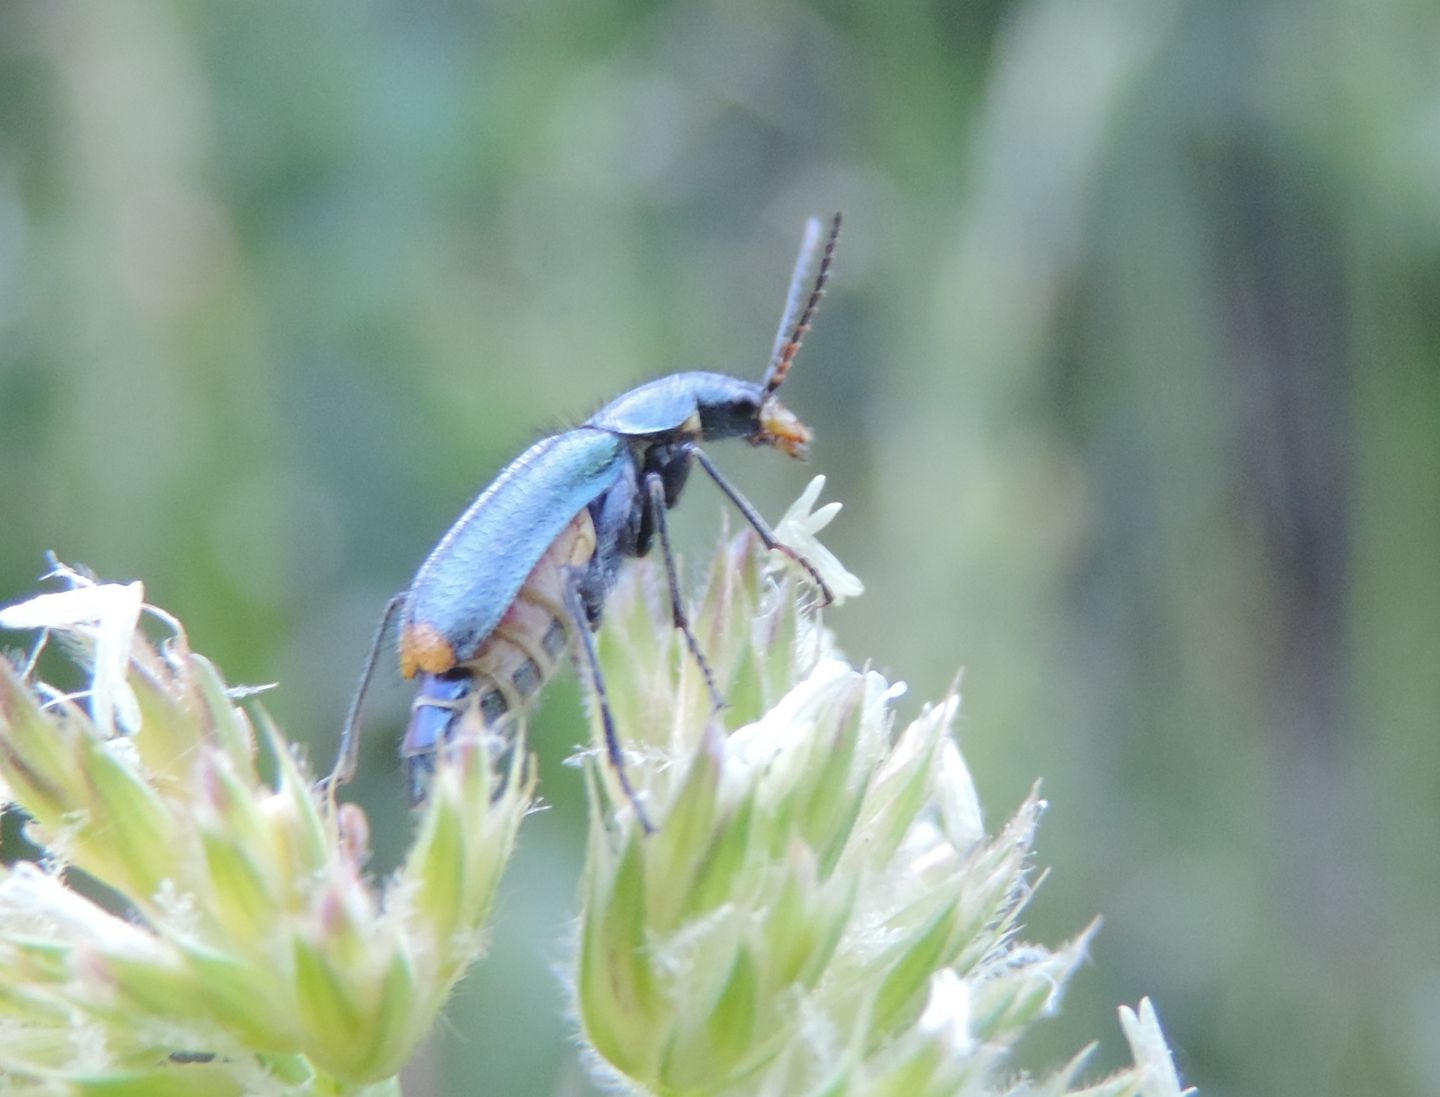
(1128,382)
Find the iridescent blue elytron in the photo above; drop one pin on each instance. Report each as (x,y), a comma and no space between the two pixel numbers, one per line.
(522,576)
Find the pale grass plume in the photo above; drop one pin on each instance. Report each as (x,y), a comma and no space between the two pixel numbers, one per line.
(822,910)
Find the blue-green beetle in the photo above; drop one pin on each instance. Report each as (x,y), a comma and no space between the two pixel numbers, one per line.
(524,572)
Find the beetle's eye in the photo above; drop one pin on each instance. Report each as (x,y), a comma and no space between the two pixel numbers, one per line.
(730,418)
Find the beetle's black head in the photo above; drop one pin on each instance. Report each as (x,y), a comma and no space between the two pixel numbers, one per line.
(732,408)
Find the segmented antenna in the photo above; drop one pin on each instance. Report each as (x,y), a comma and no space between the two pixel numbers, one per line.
(789,338)
(809,244)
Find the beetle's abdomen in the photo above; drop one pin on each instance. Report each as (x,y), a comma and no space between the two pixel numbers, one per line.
(511,664)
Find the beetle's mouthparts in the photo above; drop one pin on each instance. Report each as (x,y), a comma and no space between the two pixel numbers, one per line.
(780,428)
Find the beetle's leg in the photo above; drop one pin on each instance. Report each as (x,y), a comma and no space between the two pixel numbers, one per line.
(655,486)
(346,760)
(575,603)
(767,535)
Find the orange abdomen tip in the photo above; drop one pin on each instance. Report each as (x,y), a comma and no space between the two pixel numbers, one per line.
(424,648)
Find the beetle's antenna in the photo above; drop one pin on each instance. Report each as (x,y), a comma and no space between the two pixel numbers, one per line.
(809,245)
(789,338)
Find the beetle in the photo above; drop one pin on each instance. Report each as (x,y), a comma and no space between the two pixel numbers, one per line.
(523,574)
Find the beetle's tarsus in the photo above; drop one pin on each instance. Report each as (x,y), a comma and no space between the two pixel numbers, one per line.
(826,597)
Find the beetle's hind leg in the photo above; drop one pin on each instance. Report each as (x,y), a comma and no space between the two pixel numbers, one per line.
(575,604)
(655,488)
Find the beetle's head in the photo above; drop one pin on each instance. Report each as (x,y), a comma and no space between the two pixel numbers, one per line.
(731,408)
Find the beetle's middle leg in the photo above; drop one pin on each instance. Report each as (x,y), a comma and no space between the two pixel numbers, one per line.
(575,604)
(655,488)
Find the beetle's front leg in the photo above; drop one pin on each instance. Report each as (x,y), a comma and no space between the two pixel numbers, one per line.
(575,604)
(655,488)
(746,508)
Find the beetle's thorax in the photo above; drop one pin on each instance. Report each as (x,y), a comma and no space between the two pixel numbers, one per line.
(702,406)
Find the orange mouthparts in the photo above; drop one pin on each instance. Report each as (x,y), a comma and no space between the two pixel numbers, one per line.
(780,428)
